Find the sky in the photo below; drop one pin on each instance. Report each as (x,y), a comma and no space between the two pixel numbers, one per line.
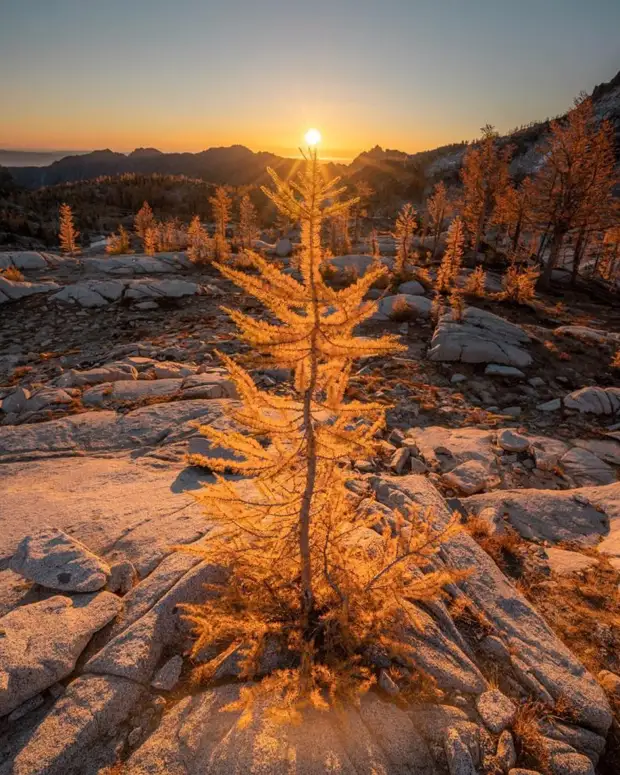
(185,75)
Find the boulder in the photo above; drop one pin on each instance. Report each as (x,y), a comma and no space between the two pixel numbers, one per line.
(283,247)
(479,337)
(91,708)
(112,372)
(498,370)
(16,401)
(390,307)
(459,758)
(511,441)
(53,559)
(585,468)
(167,677)
(551,515)
(41,642)
(23,260)
(566,563)
(496,710)
(12,290)
(471,477)
(200,734)
(131,391)
(160,289)
(412,288)
(91,293)
(135,652)
(594,400)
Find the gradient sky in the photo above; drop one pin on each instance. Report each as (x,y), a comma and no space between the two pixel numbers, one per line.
(190,74)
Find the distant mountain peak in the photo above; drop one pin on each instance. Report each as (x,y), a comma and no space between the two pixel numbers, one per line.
(142,152)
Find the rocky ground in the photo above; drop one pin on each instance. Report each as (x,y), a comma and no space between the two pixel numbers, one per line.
(511,417)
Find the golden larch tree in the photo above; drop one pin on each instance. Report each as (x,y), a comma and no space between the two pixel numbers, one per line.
(438,210)
(574,186)
(118,244)
(484,174)
(451,262)
(144,221)
(221,206)
(513,210)
(199,245)
(248,222)
(290,535)
(68,234)
(405,227)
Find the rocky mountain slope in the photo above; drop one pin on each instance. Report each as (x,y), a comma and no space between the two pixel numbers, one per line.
(510,417)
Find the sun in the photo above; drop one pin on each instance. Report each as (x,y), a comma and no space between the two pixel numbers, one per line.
(313,137)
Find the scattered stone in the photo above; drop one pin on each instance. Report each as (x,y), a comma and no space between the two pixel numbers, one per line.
(571,764)
(387,684)
(283,247)
(506,754)
(459,758)
(41,642)
(511,441)
(167,677)
(547,452)
(123,576)
(480,337)
(536,382)
(496,710)
(471,477)
(16,401)
(53,559)
(417,466)
(565,563)
(399,460)
(144,306)
(47,397)
(498,370)
(458,378)
(550,406)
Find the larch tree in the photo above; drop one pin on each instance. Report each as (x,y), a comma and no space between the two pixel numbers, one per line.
(151,240)
(364,192)
(573,188)
(339,239)
(290,535)
(513,210)
(437,207)
(144,221)
(118,244)
(68,234)
(248,222)
(484,174)
(404,230)
(221,206)
(199,247)
(451,262)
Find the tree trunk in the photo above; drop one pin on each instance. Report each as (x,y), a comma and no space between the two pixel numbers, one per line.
(580,248)
(305,513)
(517,234)
(556,246)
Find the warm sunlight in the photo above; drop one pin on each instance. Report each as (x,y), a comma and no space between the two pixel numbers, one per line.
(313,137)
